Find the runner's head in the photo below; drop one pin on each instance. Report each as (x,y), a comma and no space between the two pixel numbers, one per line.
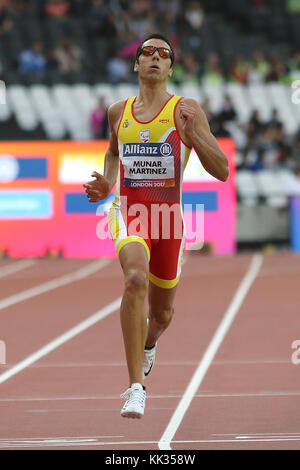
(147,41)
(154,58)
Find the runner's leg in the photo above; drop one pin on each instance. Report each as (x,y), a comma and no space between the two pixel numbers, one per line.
(134,262)
(160,311)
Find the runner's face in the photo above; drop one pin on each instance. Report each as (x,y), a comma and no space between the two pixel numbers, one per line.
(154,66)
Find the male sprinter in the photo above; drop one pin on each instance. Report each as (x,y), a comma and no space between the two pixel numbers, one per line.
(151,137)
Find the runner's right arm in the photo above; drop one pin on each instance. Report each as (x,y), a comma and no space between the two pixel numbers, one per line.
(101,187)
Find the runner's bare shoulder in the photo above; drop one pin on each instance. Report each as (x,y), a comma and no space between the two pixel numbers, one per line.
(115,112)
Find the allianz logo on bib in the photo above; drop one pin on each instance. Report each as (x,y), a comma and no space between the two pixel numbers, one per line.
(164,149)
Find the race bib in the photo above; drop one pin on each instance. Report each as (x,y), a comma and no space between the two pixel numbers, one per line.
(148,165)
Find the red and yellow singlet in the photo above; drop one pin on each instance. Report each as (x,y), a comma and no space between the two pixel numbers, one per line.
(152,158)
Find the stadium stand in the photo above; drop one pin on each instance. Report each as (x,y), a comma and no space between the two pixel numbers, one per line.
(243,54)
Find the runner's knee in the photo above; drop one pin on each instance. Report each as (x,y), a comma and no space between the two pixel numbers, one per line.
(136,281)
(162,316)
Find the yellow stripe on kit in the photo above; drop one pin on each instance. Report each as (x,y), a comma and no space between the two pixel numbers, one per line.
(131,239)
(113,223)
(165,284)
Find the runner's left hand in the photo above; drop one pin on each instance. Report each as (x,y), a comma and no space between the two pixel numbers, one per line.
(187,115)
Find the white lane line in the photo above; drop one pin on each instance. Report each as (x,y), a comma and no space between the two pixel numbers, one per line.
(43,439)
(149,397)
(174,423)
(76,330)
(80,442)
(81,273)
(52,441)
(275,439)
(259,434)
(16,266)
(159,363)
(79,397)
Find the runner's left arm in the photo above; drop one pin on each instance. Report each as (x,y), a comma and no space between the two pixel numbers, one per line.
(197,132)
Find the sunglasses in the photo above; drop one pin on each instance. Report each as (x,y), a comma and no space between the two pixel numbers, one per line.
(164,52)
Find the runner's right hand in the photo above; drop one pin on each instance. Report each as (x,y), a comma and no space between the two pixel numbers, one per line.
(97,189)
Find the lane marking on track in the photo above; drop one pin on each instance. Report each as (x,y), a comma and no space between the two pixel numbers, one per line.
(95,441)
(259,434)
(150,397)
(163,363)
(52,441)
(16,266)
(77,275)
(77,365)
(159,363)
(76,330)
(81,397)
(174,423)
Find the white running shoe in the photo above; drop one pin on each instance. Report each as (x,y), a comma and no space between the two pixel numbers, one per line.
(148,361)
(135,401)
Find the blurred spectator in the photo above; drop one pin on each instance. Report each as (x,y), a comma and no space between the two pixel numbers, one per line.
(99,122)
(97,17)
(278,71)
(294,66)
(129,50)
(79,8)
(190,69)
(270,144)
(68,56)
(228,112)
(142,20)
(98,10)
(254,75)
(275,121)
(22,7)
(122,24)
(119,6)
(212,72)
(258,69)
(215,123)
(178,71)
(57,8)
(165,24)
(267,145)
(52,63)
(239,70)
(194,15)
(142,24)
(254,126)
(117,69)
(141,8)
(207,109)
(182,25)
(108,28)
(251,157)
(293,7)
(170,8)
(6,17)
(33,60)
